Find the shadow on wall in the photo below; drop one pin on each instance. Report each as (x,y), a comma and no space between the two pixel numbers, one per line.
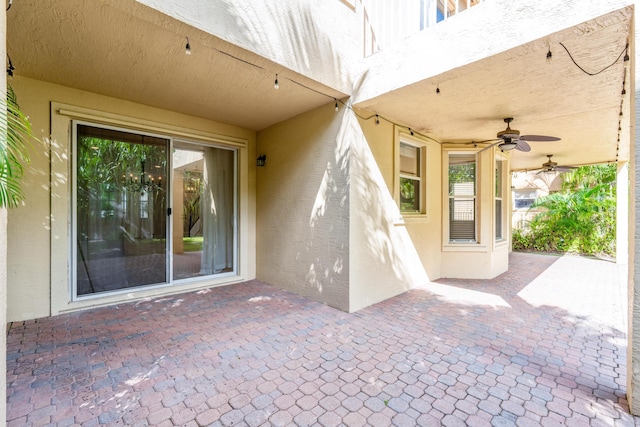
(328,225)
(385,257)
(303,208)
(290,31)
(327,240)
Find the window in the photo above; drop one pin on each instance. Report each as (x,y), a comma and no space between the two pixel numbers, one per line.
(462,197)
(499,181)
(144,205)
(412,172)
(524,198)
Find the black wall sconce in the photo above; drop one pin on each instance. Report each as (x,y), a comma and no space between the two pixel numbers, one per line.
(261,160)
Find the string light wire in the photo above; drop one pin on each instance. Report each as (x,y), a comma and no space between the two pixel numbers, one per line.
(336,100)
(626,48)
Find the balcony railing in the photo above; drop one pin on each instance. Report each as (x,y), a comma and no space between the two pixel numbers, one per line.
(447,8)
(386,22)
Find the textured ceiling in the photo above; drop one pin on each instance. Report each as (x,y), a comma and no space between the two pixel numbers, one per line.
(126,50)
(552,98)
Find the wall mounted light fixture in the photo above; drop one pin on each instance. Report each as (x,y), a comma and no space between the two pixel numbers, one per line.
(261,160)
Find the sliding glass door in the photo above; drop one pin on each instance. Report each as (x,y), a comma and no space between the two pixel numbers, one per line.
(125,205)
(120,210)
(204,186)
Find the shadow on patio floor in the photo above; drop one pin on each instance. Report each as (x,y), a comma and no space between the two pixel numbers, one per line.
(543,344)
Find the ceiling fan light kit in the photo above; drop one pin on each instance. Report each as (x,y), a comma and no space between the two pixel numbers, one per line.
(508,145)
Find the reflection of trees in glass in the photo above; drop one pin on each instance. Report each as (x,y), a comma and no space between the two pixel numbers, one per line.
(462,174)
(192,190)
(408,200)
(103,166)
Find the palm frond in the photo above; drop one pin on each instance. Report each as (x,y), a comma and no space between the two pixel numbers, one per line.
(15,134)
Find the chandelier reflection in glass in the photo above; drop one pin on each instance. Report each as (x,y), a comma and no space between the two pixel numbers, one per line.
(143,183)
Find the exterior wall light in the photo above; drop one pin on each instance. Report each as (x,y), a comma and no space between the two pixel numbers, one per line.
(261,160)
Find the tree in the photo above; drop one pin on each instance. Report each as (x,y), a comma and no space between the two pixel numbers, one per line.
(580,218)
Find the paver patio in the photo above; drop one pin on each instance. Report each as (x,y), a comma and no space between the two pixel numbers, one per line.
(543,344)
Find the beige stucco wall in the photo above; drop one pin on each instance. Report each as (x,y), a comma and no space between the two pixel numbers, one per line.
(37,267)
(303,207)
(535,20)
(328,225)
(384,259)
(633,289)
(392,252)
(300,35)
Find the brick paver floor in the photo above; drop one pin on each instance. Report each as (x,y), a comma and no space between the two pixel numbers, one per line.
(543,344)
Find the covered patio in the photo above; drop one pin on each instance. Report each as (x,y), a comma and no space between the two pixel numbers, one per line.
(543,344)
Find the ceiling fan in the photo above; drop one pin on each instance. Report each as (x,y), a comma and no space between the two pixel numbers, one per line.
(551,166)
(510,139)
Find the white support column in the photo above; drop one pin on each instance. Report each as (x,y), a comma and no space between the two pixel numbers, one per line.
(633,337)
(622,214)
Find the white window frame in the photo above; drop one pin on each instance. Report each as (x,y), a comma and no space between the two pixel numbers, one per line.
(62,117)
(503,197)
(447,242)
(422,146)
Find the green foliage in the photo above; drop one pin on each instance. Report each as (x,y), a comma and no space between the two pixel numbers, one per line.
(16,133)
(409,201)
(192,244)
(580,219)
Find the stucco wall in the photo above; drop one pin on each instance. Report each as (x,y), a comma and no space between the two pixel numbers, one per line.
(38,231)
(317,39)
(424,230)
(303,207)
(384,260)
(633,290)
(328,225)
(473,36)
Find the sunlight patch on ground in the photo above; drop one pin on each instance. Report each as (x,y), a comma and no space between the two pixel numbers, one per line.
(145,376)
(599,289)
(259,299)
(462,296)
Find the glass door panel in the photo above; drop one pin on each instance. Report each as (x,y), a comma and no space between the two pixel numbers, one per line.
(120,210)
(204,207)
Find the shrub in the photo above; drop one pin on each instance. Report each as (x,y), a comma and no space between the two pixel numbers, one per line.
(579,219)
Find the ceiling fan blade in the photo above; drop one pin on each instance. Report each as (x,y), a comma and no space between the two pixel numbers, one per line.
(539,138)
(522,145)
